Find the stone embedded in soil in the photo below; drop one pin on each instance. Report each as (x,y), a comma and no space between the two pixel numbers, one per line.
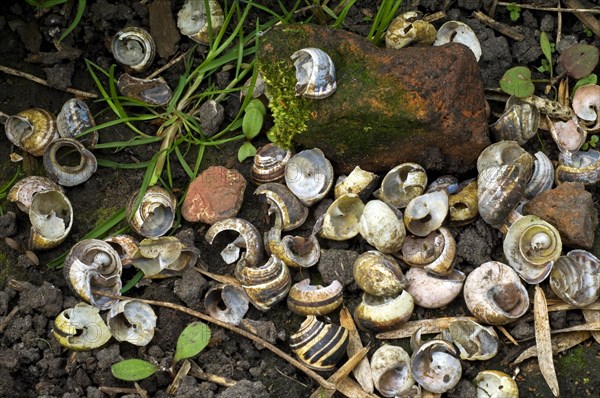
(217,193)
(570,208)
(163,27)
(423,105)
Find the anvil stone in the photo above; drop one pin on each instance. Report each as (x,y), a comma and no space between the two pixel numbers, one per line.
(417,104)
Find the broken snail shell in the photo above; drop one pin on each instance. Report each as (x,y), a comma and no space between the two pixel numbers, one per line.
(125,245)
(542,177)
(519,122)
(435,366)
(378,274)
(494,294)
(194,21)
(249,239)
(293,213)
(407,29)
(435,252)
(68,171)
(91,265)
(227,303)
(266,285)
(73,119)
(426,213)
(495,384)
(132,321)
(81,328)
(155,214)
(382,314)
(23,191)
(382,226)
(359,182)
(269,164)
(402,184)
(163,257)
(391,372)
(575,278)
(429,290)
(315,73)
(309,175)
(150,91)
(586,104)
(340,221)
(579,166)
(32,130)
(568,134)
(318,345)
(307,299)
(458,32)
(475,342)
(531,245)
(51,217)
(463,205)
(294,251)
(134,47)
(446,183)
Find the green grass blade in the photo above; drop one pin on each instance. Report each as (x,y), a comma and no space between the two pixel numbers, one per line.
(146,181)
(132,282)
(135,141)
(183,163)
(80,10)
(125,166)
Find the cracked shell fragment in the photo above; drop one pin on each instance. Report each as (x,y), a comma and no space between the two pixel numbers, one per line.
(81,328)
(51,217)
(193,20)
(435,366)
(315,73)
(495,384)
(227,303)
(132,321)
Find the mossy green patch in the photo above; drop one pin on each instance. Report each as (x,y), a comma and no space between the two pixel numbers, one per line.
(574,362)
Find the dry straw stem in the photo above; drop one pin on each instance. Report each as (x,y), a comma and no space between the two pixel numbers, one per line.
(592,316)
(500,27)
(427,326)
(362,372)
(341,374)
(183,371)
(543,340)
(225,279)
(297,364)
(559,344)
(573,8)
(122,390)
(75,92)
(198,373)
(584,15)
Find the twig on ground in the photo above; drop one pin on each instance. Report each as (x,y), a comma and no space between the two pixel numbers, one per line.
(167,65)
(500,27)
(18,73)
(225,279)
(573,8)
(436,16)
(121,390)
(558,24)
(297,364)
(584,15)
(290,378)
(197,372)
(6,321)
(492,11)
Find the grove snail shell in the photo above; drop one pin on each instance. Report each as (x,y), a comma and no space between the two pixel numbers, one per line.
(58,167)
(315,73)
(266,285)
(51,217)
(24,190)
(32,130)
(134,47)
(307,299)
(81,328)
(155,214)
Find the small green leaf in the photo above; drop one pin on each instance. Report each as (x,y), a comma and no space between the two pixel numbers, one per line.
(579,60)
(133,369)
(546,49)
(252,122)
(192,340)
(256,104)
(584,81)
(515,11)
(517,81)
(247,150)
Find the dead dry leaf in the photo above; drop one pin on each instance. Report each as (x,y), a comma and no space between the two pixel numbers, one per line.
(592,316)
(426,326)
(560,343)
(543,340)
(362,372)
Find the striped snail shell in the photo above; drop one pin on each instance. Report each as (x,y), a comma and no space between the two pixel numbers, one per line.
(307,299)
(266,285)
(319,345)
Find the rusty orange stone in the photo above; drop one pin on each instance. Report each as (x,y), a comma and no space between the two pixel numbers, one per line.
(217,193)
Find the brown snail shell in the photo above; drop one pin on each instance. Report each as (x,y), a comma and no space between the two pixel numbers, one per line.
(125,245)
(134,47)
(383,313)
(269,164)
(519,122)
(378,274)
(575,278)
(90,265)
(57,165)
(266,285)
(32,130)
(193,20)
(494,294)
(435,252)
(462,205)
(579,166)
(281,199)
(155,214)
(163,257)
(23,191)
(150,91)
(51,217)
(309,175)
(408,29)
(475,342)
(227,303)
(307,299)
(73,119)
(132,321)
(249,239)
(318,345)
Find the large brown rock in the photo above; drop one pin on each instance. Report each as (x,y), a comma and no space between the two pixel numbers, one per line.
(570,208)
(423,105)
(217,193)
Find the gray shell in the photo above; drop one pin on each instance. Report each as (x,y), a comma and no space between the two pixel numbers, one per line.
(315,73)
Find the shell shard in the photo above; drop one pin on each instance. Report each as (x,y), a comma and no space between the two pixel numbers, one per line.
(315,73)
(519,122)
(163,256)
(74,118)
(435,366)
(51,217)
(579,166)
(24,190)
(150,91)
(474,341)
(408,29)
(283,203)
(458,32)
(249,239)
(227,303)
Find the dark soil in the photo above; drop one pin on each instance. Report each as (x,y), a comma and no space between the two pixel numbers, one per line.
(33,364)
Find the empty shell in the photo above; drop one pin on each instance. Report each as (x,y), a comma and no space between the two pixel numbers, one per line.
(269,164)
(226,303)
(281,200)
(341,218)
(435,252)
(435,366)
(155,214)
(519,122)
(23,191)
(134,47)
(315,73)
(495,384)
(390,367)
(359,182)
(458,32)
(575,278)
(66,171)
(132,321)
(32,130)
(474,341)
(81,328)
(266,285)
(429,290)
(73,119)
(198,23)
(307,299)
(150,91)
(426,213)
(163,257)
(402,184)
(586,104)
(382,226)
(51,217)
(249,239)
(378,274)
(309,175)
(383,313)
